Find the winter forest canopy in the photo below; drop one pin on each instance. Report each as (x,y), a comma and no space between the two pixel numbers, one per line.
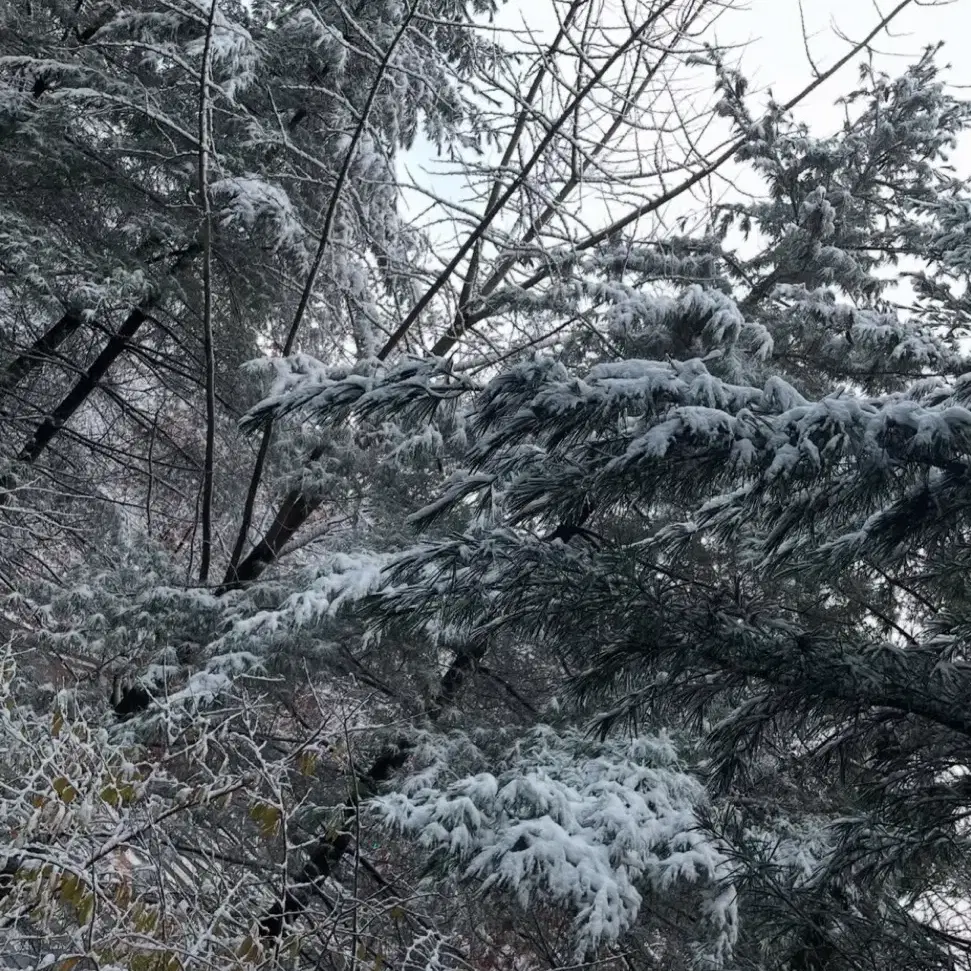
(562,563)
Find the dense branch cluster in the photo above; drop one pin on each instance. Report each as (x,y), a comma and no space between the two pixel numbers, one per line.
(504,584)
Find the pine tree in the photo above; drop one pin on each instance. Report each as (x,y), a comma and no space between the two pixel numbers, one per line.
(695,520)
(734,505)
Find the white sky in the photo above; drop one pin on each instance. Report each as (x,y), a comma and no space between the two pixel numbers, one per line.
(767,36)
(776,55)
(773,53)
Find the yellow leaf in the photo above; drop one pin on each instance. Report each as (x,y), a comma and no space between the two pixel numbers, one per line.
(64,789)
(268,817)
(57,725)
(117,793)
(84,907)
(68,964)
(111,796)
(144,919)
(123,895)
(397,912)
(249,950)
(308,763)
(70,888)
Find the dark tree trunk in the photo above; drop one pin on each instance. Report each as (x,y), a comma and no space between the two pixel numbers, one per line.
(294,511)
(48,429)
(325,855)
(39,351)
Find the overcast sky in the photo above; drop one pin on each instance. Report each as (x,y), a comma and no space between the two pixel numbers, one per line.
(773,53)
(776,54)
(768,38)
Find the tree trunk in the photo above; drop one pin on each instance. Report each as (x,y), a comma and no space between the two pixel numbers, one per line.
(324,857)
(295,510)
(48,429)
(39,351)
(117,343)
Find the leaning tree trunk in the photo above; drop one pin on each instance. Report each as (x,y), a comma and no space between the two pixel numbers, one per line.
(39,352)
(51,426)
(48,429)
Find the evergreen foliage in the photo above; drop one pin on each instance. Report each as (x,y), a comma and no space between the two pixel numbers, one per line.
(576,594)
(738,510)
